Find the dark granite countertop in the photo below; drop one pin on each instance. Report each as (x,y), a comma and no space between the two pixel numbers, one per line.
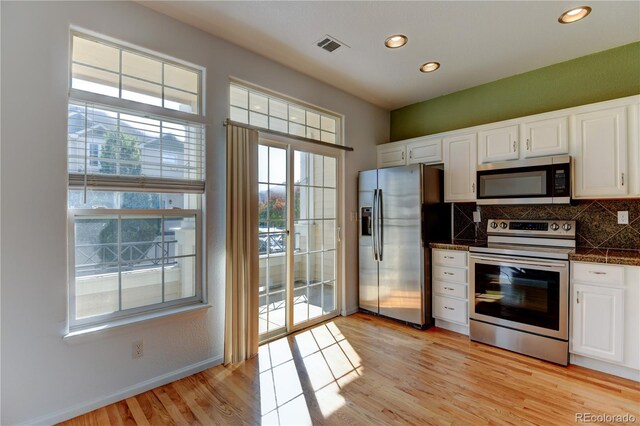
(604,255)
(460,245)
(581,254)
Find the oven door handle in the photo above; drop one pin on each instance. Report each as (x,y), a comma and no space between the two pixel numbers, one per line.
(516,261)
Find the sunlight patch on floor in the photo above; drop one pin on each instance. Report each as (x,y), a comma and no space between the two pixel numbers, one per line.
(326,362)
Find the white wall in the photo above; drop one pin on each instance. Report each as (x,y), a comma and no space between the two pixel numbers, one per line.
(44,377)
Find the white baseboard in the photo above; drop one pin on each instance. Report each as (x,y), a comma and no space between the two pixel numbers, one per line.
(606,367)
(350,311)
(127,392)
(462,329)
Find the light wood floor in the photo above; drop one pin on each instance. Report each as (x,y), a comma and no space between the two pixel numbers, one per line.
(366,370)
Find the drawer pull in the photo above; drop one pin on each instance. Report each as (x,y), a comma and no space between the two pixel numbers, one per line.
(448,257)
(449,273)
(598,272)
(451,309)
(448,288)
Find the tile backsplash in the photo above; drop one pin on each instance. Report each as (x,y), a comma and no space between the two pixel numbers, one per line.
(596,221)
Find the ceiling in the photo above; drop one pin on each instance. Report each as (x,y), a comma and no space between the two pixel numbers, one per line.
(475,41)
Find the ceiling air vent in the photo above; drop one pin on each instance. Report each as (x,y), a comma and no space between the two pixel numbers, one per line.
(329,43)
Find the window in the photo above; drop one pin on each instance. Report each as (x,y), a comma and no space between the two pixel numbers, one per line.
(101,67)
(249,106)
(136,181)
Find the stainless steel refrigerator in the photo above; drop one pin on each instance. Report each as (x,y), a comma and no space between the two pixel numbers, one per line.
(401,210)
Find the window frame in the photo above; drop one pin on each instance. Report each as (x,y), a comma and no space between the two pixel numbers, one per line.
(290,102)
(75,324)
(147,53)
(162,309)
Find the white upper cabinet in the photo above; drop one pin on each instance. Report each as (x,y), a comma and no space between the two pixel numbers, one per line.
(460,160)
(599,148)
(545,137)
(499,144)
(425,150)
(393,155)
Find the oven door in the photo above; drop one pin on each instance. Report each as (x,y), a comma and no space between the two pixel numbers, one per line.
(520,293)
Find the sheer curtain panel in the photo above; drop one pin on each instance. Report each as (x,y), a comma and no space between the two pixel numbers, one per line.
(241,297)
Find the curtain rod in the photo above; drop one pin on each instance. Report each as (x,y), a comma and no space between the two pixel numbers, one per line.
(287,135)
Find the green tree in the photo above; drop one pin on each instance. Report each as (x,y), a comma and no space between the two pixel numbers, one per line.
(120,155)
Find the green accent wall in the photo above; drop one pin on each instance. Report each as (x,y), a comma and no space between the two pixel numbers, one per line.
(605,75)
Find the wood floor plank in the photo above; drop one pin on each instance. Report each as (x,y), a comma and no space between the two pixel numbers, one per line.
(367,370)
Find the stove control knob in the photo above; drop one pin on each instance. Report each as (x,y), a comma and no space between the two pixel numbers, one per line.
(566,227)
(494,225)
(555,226)
(503,225)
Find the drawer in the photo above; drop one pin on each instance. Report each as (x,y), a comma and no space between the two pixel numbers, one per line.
(450,258)
(450,289)
(597,273)
(450,309)
(445,273)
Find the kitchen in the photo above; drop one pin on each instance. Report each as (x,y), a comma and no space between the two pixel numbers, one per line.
(516,303)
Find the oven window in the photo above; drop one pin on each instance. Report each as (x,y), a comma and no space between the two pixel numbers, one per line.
(528,184)
(523,295)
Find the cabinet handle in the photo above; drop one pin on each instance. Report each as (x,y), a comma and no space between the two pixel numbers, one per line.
(514,146)
(451,309)
(448,288)
(448,257)
(473,187)
(598,272)
(411,154)
(403,155)
(528,144)
(578,297)
(449,273)
(622,179)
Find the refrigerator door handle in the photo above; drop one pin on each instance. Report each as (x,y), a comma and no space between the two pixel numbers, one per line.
(374,215)
(380,220)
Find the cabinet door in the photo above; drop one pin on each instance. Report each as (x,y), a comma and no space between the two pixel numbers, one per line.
(546,137)
(500,144)
(460,154)
(394,156)
(427,151)
(598,322)
(600,153)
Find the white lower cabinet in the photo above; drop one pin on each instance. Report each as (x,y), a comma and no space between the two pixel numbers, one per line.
(598,322)
(605,318)
(449,286)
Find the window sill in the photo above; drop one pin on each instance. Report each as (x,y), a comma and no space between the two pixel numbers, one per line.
(97,329)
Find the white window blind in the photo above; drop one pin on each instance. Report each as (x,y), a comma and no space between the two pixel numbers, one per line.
(113,148)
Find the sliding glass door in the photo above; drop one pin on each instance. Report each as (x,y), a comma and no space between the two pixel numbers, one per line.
(298,192)
(314,265)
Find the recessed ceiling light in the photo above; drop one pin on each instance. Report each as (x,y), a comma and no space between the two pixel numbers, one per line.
(396,41)
(430,66)
(575,14)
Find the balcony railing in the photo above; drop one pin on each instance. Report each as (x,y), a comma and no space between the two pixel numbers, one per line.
(273,242)
(103,258)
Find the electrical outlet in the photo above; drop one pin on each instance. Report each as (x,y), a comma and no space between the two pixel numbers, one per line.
(354,216)
(476,216)
(137,349)
(623,218)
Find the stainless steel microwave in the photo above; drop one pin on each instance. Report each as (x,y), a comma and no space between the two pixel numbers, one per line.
(544,180)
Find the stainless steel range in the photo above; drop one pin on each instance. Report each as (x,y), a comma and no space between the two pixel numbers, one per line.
(520,287)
